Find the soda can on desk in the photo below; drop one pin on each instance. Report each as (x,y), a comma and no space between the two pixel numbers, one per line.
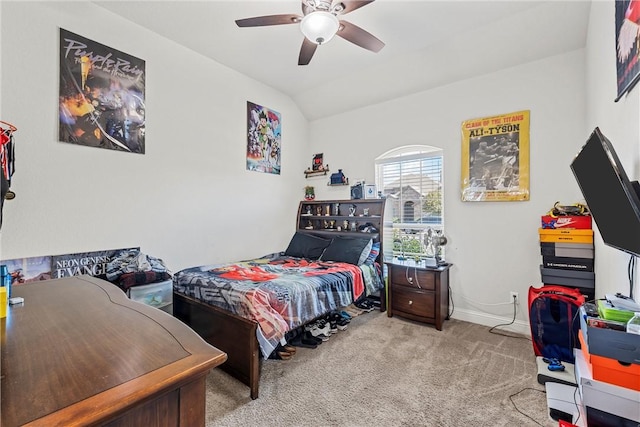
(5,279)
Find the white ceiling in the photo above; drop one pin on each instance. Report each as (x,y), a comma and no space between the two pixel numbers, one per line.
(428,43)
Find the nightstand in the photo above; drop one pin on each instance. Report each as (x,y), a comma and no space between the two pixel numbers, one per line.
(418,293)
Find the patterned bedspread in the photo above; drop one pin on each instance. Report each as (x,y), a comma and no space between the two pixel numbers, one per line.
(278,292)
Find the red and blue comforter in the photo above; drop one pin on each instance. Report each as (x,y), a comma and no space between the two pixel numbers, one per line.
(278,292)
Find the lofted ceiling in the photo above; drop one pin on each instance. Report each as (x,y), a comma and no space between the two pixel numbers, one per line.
(428,43)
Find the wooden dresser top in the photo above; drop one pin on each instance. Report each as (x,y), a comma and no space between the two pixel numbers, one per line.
(78,350)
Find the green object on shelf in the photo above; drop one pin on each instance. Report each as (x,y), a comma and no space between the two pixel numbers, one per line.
(607,311)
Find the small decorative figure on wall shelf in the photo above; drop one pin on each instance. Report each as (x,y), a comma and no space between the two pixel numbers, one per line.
(352,210)
(338,178)
(317,168)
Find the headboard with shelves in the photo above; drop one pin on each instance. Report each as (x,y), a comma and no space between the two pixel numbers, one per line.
(358,218)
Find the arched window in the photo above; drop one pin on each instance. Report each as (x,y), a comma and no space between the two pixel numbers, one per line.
(411,179)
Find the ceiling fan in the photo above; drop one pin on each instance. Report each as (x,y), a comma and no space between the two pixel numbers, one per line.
(319,24)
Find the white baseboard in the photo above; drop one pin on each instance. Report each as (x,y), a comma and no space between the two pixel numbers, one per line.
(491,320)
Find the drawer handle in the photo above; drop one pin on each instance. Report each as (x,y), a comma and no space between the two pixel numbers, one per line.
(410,302)
(410,279)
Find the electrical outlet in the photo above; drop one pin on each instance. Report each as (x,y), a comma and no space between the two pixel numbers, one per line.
(514,296)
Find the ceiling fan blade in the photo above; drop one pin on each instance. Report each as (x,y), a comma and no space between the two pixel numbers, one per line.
(306,52)
(261,21)
(349,6)
(358,36)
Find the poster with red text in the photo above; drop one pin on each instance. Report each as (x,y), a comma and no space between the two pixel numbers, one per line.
(495,158)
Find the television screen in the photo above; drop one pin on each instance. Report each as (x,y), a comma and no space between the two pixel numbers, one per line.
(610,196)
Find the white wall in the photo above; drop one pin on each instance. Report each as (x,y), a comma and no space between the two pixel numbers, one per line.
(619,123)
(493,245)
(189,200)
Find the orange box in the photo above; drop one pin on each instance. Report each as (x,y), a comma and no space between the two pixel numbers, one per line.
(564,235)
(610,370)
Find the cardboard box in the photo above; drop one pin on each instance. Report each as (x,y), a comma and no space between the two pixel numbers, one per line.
(565,235)
(568,263)
(569,250)
(584,281)
(617,345)
(610,370)
(568,221)
(613,400)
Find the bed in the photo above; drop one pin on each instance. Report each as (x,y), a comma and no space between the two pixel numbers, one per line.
(246,308)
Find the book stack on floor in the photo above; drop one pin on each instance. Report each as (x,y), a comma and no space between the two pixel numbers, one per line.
(566,245)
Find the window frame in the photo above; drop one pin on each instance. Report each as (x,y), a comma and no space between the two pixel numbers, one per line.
(406,238)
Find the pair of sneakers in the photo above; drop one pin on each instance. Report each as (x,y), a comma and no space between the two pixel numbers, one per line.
(319,329)
(338,321)
(365,305)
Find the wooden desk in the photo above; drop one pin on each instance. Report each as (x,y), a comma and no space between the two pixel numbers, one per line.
(79,352)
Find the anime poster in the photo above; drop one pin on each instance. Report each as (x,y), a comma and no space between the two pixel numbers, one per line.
(91,263)
(627,32)
(24,270)
(101,98)
(263,139)
(495,158)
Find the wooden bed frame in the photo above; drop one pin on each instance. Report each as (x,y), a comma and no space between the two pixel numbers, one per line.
(236,335)
(228,332)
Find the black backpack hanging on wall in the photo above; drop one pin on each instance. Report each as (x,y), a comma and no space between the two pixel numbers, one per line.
(553,312)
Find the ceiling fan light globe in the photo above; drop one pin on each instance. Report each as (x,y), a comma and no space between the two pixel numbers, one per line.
(319,26)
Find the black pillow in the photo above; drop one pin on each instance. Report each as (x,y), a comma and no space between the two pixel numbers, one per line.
(304,245)
(345,249)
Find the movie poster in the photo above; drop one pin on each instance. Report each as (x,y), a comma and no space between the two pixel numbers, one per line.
(627,31)
(101,98)
(91,263)
(495,158)
(263,139)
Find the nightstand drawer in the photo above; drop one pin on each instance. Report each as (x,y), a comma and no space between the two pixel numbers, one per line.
(416,278)
(412,301)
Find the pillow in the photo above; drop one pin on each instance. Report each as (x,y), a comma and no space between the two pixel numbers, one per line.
(375,250)
(304,245)
(344,249)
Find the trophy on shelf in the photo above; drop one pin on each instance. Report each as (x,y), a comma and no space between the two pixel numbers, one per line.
(328,210)
(352,210)
(336,209)
(434,240)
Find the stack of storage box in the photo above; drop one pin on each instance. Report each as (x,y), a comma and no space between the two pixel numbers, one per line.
(608,372)
(566,245)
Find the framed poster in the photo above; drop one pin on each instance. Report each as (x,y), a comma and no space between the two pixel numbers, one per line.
(263,139)
(101,96)
(627,32)
(495,158)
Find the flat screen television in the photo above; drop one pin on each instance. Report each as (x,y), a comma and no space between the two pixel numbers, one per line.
(611,197)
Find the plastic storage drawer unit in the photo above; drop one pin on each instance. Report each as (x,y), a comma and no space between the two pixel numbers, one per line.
(159,295)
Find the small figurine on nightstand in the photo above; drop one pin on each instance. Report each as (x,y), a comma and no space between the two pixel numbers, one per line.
(352,210)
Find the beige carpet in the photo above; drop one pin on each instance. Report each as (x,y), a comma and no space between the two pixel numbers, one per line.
(391,372)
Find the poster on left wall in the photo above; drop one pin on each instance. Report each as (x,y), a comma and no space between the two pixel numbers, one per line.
(263,139)
(101,96)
